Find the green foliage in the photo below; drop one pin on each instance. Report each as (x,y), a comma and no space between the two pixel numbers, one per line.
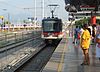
(98,21)
(6,22)
(82,21)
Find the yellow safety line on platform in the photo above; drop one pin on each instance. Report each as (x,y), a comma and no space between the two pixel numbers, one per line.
(60,65)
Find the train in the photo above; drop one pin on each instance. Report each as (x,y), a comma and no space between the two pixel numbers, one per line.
(51,29)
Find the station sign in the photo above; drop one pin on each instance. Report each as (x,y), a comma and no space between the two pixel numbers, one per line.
(87,8)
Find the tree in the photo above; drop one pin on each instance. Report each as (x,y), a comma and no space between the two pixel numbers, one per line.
(6,22)
(83,21)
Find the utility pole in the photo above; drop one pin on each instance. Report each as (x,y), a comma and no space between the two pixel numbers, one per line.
(8,18)
(35,8)
(43,8)
(35,13)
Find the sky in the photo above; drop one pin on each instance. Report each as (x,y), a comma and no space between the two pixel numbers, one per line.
(18,10)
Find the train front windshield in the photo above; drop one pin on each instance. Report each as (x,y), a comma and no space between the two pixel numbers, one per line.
(51,26)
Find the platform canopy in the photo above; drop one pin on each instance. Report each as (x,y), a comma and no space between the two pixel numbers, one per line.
(75,5)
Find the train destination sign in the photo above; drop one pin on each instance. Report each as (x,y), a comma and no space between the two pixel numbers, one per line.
(87,8)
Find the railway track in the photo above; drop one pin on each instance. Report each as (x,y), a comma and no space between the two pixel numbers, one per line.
(7,40)
(39,60)
(19,55)
(14,53)
(15,44)
(17,40)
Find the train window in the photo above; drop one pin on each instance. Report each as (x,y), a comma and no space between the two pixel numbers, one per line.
(48,25)
(56,26)
(51,26)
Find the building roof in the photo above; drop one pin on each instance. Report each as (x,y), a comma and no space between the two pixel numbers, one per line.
(70,4)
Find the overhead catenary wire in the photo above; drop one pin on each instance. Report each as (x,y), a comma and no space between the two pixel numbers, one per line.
(15,6)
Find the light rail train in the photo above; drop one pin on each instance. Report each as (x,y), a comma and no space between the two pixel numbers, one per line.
(52,29)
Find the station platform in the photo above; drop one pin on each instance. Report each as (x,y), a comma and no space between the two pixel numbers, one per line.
(68,57)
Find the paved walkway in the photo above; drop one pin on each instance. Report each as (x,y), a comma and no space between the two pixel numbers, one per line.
(74,57)
(68,57)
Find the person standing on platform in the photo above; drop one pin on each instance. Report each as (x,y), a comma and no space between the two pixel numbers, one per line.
(93,33)
(85,43)
(75,34)
(98,42)
(79,35)
(90,28)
